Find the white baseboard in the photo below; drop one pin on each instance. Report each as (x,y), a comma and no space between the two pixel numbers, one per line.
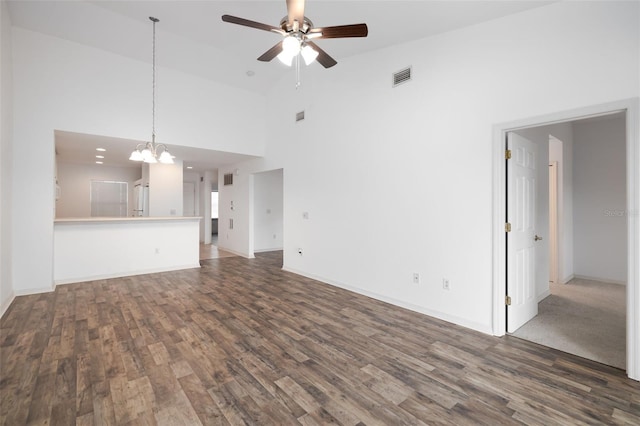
(268,249)
(5,305)
(123,274)
(483,328)
(566,280)
(602,280)
(544,295)
(237,253)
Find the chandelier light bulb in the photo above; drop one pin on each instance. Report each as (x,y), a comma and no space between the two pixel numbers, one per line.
(165,158)
(136,156)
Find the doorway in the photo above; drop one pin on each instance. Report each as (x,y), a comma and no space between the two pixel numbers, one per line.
(629,109)
(214,217)
(267,212)
(583,313)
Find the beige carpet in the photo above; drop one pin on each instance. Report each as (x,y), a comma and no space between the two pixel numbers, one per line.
(584,318)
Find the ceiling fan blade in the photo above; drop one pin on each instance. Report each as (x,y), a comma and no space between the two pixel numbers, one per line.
(340,31)
(323,57)
(252,24)
(295,11)
(271,53)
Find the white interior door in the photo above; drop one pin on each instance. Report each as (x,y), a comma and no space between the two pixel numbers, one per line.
(521,210)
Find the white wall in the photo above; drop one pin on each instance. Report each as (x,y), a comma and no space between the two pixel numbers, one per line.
(67,86)
(75,184)
(193,177)
(268,211)
(6,166)
(165,189)
(399,180)
(600,215)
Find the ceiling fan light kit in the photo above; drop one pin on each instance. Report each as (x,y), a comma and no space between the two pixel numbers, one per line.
(298,34)
(290,48)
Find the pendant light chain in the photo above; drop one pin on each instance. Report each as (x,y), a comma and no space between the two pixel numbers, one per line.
(150,152)
(153,97)
(298,83)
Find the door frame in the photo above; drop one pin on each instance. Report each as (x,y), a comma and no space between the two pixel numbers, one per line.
(632,108)
(554,258)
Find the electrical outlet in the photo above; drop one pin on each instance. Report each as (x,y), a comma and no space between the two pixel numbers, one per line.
(416,278)
(446,285)
(157,250)
(305,215)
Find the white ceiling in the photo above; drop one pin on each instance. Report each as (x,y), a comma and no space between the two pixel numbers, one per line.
(192,38)
(79,148)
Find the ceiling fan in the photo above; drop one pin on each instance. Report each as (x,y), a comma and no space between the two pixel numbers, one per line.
(298,34)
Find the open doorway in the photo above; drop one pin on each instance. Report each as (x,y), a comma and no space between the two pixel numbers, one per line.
(214,217)
(628,213)
(581,305)
(268,213)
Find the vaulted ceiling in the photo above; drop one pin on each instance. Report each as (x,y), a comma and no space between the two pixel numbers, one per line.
(191,36)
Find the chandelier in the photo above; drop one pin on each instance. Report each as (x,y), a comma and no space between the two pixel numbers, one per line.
(151,152)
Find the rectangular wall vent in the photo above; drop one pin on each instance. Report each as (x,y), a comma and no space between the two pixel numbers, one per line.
(401,76)
(299,116)
(228,179)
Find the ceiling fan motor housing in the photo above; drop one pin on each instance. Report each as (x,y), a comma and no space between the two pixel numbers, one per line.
(306,25)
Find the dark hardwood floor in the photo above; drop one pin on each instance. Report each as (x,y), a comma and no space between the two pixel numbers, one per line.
(241,342)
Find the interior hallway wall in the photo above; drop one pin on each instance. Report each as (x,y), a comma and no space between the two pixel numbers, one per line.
(600,192)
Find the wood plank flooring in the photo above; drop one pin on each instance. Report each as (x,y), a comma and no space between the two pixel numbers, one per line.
(211,251)
(241,342)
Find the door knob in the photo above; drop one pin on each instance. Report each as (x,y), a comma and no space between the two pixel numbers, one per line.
(536,238)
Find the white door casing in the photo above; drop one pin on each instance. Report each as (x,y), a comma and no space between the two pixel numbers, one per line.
(521,214)
(553,222)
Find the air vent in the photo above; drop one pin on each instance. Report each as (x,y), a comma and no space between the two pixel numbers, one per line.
(401,76)
(300,116)
(228,179)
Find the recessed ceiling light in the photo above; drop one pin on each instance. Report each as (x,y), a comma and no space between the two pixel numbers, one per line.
(99,162)
(189,167)
(99,156)
(100,149)
(250,73)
